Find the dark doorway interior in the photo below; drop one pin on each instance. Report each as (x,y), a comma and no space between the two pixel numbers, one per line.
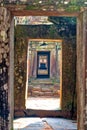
(43,64)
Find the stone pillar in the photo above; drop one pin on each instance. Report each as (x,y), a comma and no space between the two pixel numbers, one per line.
(57,76)
(82,71)
(20,74)
(85,42)
(35,64)
(11,73)
(68,103)
(53,64)
(5,104)
(29,62)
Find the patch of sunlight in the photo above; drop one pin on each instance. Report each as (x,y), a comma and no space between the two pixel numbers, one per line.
(22,123)
(43,103)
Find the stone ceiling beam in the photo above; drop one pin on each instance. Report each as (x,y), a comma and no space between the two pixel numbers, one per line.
(43,13)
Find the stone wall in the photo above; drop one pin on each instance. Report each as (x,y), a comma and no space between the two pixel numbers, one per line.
(50,5)
(4,68)
(82,70)
(68,68)
(85,41)
(20,62)
(69,76)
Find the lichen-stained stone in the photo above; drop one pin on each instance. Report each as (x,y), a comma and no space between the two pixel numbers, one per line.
(85,41)
(68,76)
(82,71)
(52,5)
(4,68)
(68,57)
(20,61)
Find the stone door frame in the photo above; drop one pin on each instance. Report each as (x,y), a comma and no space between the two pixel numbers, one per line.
(46,50)
(81,58)
(46,40)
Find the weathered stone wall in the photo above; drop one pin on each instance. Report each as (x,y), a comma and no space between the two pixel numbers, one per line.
(4,68)
(69,66)
(20,62)
(85,41)
(69,76)
(50,5)
(4,105)
(82,70)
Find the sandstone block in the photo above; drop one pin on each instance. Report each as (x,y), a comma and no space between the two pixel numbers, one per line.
(35,93)
(46,89)
(48,94)
(36,89)
(41,94)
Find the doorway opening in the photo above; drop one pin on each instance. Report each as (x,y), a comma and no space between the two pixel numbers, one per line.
(43,41)
(43,64)
(44,69)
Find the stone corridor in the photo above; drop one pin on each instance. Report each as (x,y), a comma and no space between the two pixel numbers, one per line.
(44,124)
(11,63)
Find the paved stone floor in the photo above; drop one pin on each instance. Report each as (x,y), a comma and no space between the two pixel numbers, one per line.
(43,103)
(37,123)
(44,124)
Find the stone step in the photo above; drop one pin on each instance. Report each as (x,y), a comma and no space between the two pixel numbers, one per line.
(43,88)
(41,81)
(46,113)
(44,92)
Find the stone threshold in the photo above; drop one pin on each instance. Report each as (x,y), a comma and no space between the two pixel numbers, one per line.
(44,113)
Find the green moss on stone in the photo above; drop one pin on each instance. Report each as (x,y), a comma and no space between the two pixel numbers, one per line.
(73,8)
(32,7)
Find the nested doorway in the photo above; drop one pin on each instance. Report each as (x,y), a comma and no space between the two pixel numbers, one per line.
(79,61)
(44,61)
(43,64)
(68,78)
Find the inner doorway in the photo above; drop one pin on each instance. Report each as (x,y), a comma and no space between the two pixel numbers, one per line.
(44,74)
(43,64)
(35,45)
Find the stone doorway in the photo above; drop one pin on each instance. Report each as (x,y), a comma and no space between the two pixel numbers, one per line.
(81,58)
(43,64)
(68,99)
(44,88)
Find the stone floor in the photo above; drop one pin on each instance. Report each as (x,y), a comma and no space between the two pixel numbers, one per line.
(44,124)
(37,123)
(43,103)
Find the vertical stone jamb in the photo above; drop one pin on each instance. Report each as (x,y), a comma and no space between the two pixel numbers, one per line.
(68,103)
(5,106)
(81,61)
(11,73)
(20,75)
(85,53)
(35,64)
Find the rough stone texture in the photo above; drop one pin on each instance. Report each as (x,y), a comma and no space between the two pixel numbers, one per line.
(85,41)
(68,76)
(80,74)
(68,59)
(4,75)
(45,90)
(20,61)
(50,5)
(4,68)
(82,71)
